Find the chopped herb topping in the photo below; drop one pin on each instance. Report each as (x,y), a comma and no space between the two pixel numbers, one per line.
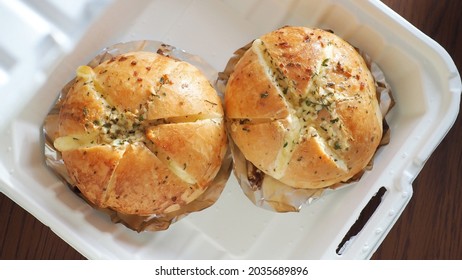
(334,120)
(337,145)
(85,111)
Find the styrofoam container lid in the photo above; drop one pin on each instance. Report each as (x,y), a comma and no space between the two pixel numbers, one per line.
(44,48)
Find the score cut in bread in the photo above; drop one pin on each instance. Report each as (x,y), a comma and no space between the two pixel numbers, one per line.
(301,106)
(141,133)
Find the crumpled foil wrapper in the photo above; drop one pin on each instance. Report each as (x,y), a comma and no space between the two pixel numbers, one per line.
(269,193)
(138,223)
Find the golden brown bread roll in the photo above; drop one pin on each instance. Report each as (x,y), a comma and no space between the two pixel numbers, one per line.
(141,133)
(301,106)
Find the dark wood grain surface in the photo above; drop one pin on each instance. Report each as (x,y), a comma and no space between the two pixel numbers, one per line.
(429,228)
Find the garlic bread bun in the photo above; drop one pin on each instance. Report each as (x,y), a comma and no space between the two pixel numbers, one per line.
(301,106)
(141,133)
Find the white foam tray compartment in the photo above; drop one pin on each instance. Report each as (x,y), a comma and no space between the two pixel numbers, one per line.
(424,79)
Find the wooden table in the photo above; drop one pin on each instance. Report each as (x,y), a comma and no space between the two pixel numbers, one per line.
(429,228)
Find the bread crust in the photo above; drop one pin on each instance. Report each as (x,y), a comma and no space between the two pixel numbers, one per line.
(333,121)
(126,126)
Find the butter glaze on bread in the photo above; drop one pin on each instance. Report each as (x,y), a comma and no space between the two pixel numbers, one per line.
(302,107)
(141,133)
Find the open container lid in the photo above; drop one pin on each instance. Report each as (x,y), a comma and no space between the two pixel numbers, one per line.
(48,41)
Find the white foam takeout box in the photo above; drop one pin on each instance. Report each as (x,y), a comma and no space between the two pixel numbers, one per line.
(43,42)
